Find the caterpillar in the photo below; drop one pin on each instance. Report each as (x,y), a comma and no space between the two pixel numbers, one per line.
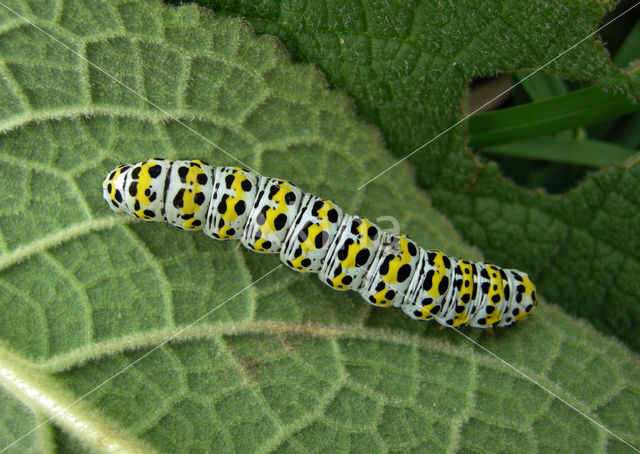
(269,215)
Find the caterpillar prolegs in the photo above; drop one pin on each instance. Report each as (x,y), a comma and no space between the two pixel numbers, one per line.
(269,215)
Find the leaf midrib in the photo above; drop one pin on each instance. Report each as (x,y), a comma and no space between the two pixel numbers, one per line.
(214,332)
(41,394)
(204,330)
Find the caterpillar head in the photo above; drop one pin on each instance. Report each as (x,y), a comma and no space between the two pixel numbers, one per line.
(113,188)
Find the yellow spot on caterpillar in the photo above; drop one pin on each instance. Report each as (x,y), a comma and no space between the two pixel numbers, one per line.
(193,188)
(272,213)
(363,241)
(466,289)
(144,184)
(231,215)
(398,261)
(440,272)
(495,288)
(309,244)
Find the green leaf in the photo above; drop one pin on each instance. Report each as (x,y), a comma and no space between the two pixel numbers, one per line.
(407,66)
(540,85)
(627,133)
(94,305)
(628,52)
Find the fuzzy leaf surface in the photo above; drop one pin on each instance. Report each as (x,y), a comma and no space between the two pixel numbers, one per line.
(285,365)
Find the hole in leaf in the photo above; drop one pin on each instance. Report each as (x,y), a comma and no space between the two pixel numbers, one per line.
(549,133)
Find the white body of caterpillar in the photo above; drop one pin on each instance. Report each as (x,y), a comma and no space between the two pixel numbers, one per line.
(310,234)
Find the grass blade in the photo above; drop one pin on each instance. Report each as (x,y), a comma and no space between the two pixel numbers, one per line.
(541,85)
(591,153)
(578,108)
(630,49)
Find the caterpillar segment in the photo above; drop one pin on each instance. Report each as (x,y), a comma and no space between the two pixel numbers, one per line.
(351,254)
(234,194)
(391,272)
(313,235)
(271,216)
(188,195)
(312,232)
